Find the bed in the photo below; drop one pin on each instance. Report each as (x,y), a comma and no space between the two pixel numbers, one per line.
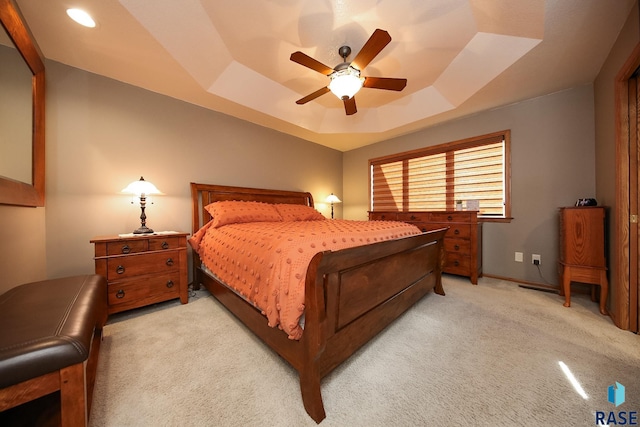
(350,294)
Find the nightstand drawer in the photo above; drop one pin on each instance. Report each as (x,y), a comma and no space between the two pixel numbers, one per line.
(127,247)
(166,243)
(149,288)
(142,269)
(119,268)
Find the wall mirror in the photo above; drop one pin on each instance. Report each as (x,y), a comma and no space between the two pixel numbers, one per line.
(22,139)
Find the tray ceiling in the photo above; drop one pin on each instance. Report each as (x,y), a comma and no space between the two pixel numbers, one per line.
(232,56)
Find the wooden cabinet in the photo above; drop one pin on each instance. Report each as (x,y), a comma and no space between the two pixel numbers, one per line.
(582,251)
(462,243)
(142,269)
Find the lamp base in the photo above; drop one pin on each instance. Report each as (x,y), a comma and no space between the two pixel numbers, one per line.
(143,230)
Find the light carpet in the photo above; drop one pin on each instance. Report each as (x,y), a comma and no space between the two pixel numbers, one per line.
(485,355)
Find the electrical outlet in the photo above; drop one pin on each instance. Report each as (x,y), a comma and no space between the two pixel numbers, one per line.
(535,259)
(519,257)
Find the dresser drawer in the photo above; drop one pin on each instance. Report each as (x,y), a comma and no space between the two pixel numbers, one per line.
(461,246)
(119,268)
(413,216)
(383,216)
(459,231)
(449,217)
(140,291)
(456,231)
(456,263)
(462,243)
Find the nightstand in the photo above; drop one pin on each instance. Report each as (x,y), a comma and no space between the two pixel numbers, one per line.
(142,269)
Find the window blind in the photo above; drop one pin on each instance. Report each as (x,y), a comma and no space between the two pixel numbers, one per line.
(435,178)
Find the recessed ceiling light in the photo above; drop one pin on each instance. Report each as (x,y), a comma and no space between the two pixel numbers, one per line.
(81,17)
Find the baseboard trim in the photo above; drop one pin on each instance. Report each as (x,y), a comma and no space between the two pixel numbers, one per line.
(533,285)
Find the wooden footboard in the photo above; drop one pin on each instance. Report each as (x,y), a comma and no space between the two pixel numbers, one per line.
(355,293)
(350,296)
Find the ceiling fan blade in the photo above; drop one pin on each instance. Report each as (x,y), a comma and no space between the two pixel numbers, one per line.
(350,106)
(309,62)
(385,83)
(378,40)
(312,96)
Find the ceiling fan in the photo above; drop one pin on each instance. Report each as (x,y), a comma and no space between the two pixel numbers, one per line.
(346,79)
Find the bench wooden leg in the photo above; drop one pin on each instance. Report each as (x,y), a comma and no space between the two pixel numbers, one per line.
(72,383)
(73,395)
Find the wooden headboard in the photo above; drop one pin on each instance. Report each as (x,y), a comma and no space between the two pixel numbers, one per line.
(204,194)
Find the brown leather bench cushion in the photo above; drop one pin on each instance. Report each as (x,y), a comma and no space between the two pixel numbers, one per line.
(48,325)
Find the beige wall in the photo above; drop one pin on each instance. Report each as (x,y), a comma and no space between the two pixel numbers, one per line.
(552,165)
(605,124)
(103,134)
(22,246)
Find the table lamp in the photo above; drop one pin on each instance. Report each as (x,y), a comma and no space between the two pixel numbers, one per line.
(332,199)
(142,189)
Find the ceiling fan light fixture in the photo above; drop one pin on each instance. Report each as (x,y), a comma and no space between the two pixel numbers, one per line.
(345,83)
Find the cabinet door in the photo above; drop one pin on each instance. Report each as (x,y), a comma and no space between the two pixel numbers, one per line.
(583,237)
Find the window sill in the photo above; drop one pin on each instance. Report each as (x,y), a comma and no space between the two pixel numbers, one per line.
(489,219)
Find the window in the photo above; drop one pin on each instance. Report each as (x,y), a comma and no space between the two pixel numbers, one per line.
(434,178)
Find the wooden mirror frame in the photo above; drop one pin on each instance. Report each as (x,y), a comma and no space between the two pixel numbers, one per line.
(15,192)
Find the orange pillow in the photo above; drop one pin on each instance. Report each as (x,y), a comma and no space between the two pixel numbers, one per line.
(298,213)
(235,212)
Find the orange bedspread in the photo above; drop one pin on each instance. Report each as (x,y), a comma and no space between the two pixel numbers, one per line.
(266,262)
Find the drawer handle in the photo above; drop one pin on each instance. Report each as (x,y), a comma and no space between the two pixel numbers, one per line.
(449,218)
(165,245)
(456,247)
(456,263)
(120,294)
(456,231)
(413,217)
(382,217)
(424,229)
(120,269)
(169,283)
(169,262)
(126,249)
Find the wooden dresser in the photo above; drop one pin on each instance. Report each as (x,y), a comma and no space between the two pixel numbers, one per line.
(142,269)
(582,251)
(462,243)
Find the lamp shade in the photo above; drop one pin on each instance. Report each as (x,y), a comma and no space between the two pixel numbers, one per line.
(345,83)
(141,188)
(332,198)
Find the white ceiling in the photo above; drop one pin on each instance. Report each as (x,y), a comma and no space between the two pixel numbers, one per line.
(232,56)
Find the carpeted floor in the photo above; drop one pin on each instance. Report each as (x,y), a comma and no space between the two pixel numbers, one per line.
(485,355)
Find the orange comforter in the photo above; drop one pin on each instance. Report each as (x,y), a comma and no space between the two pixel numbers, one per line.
(266,262)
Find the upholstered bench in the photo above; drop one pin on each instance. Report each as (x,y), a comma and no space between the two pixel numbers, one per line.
(50,334)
